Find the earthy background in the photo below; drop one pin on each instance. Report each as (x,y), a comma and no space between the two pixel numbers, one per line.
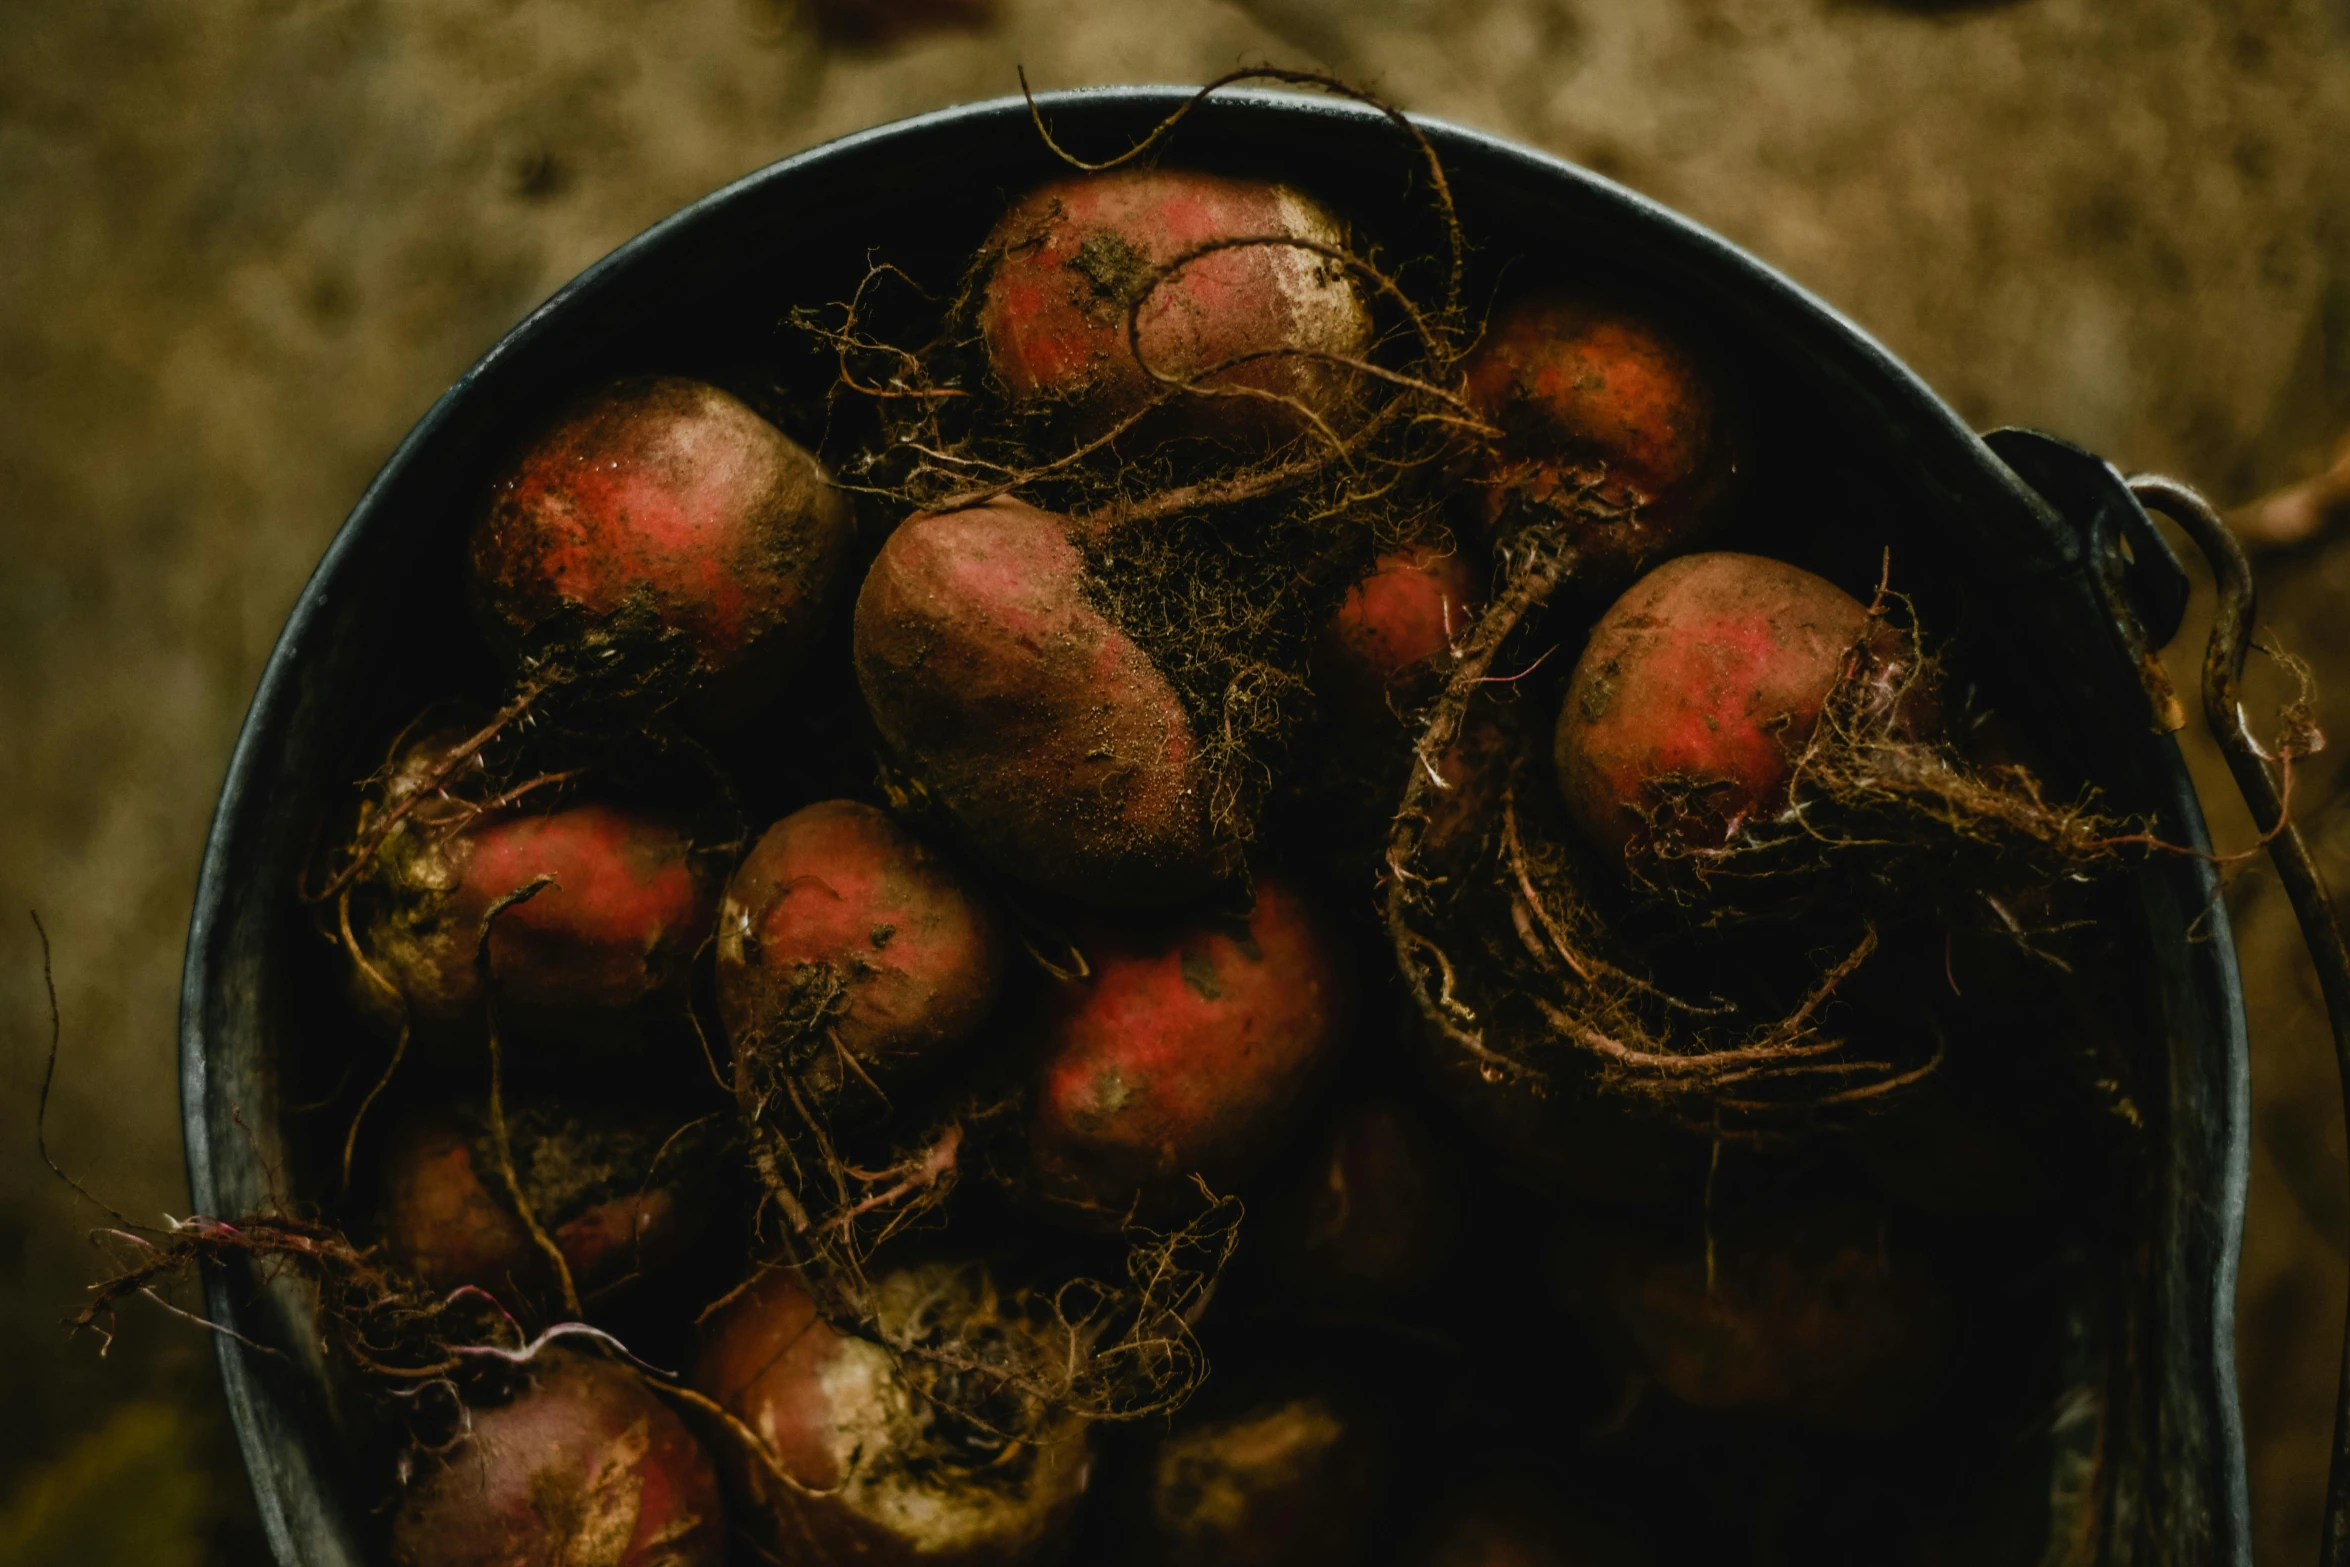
(244,243)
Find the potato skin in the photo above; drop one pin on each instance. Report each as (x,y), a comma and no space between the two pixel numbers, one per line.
(1383,650)
(838,1420)
(582,963)
(662,518)
(1186,1050)
(841,886)
(629,904)
(592,1179)
(1058,747)
(1071,256)
(584,1466)
(1694,694)
(1576,381)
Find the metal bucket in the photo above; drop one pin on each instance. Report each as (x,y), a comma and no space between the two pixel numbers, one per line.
(2045,553)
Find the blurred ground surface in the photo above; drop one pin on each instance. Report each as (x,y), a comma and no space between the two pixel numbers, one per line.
(246,242)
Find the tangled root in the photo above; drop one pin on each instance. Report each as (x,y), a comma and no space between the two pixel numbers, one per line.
(1013,1365)
(1087,1347)
(1531,979)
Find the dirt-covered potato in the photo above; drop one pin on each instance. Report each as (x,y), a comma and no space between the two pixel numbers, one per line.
(1063,754)
(583,1465)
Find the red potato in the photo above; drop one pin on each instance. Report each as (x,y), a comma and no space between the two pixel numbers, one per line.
(848,1469)
(1290,1483)
(1814,1319)
(840,895)
(1694,695)
(584,1466)
(661,531)
(1576,382)
(585,961)
(1383,650)
(1070,259)
(1186,1050)
(1056,744)
(598,1182)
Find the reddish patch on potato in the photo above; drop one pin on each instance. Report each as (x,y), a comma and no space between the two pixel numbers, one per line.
(1071,258)
(595,1179)
(612,935)
(1384,649)
(847,1467)
(838,900)
(1059,748)
(1694,695)
(1186,1050)
(584,1465)
(1580,385)
(663,527)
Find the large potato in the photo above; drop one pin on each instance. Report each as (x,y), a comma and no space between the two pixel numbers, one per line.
(1056,744)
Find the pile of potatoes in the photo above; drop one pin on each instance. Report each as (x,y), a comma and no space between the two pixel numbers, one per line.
(822,948)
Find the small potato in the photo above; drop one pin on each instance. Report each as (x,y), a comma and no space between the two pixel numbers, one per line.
(1186,1050)
(661,532)
(1059,748)
(620,1197)
(1071,258)
(853,1464)
(585,963)
(1586,387)
(585,1465)
(1694,695)
(1383,651)
(840,912)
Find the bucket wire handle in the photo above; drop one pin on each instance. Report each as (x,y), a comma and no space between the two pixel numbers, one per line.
(2313,905)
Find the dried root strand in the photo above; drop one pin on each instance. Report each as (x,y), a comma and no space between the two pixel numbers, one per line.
(838,1204)
(419,1353)
(1011,1365)
(1540,563)
(430,787)
(1530,981)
